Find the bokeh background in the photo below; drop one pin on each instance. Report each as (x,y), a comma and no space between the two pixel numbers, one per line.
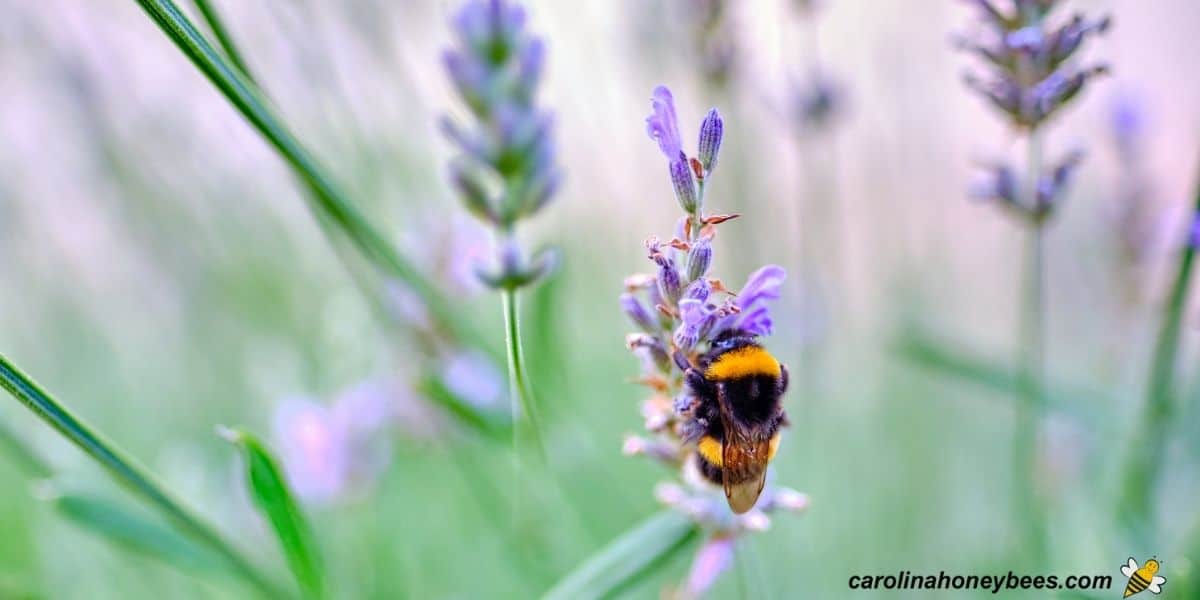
(160,273)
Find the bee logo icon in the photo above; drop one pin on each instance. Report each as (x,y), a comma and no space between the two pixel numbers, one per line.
(1143,578)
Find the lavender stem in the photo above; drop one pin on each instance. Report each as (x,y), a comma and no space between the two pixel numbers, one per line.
(519,387)
(1032,359)
(1136,507)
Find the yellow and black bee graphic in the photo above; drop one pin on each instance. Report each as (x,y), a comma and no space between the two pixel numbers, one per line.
(739,386)
(1144,578)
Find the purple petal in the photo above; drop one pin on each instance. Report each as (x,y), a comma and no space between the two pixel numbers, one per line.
(713,559)
(763,284)
(663,124)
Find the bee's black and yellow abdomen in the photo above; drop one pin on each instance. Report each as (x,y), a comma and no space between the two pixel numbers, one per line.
(709,456)
(1136,584)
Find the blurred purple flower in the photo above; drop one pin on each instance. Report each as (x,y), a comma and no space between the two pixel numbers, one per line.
(496,66)
(472,376)
(713,559)
(312,446)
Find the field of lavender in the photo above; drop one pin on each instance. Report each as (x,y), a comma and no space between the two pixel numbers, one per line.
(425,299)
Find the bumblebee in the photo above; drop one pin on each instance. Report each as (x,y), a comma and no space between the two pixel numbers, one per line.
(739,386)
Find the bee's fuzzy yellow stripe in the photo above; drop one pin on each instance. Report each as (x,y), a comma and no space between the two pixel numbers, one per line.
(743,362)
(710,449)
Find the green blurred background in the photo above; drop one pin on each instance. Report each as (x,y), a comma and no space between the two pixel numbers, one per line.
(160,274)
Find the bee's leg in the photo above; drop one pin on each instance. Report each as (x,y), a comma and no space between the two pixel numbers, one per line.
(696,382)
(783,379)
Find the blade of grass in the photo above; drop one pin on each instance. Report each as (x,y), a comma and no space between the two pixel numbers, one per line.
(1136,507)
(215,24)
(330,222)
(125,470)
(135,532)
(274,500)
(325,197)
(519,386)
(626,560)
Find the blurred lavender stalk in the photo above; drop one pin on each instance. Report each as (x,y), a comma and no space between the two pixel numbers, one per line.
(1135,509)
(506,169)
(1031,75)
(815,103)
(678,310)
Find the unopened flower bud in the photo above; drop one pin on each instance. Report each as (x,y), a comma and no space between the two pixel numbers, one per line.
(711,132)
(684,184)
(699,259)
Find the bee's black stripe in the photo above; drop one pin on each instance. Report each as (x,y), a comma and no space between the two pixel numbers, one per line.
(1137,583)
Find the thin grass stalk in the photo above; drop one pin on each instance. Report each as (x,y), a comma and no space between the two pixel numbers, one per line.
(326,197)
(524,409)
(215,24)
(1136,508)
(126,471)
(1032,359)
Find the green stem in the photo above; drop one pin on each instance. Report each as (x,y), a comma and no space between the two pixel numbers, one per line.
(520,390)
(1136,508)
(1032,359)
(125,470)
(326,198)
(217,26)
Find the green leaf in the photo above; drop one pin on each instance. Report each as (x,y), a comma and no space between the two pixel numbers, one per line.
(125,470)
(274,500)
(136,532)
(634,555)
(326,199)
(1076,401)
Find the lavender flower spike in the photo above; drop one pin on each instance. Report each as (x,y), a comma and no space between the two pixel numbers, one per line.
(697,319)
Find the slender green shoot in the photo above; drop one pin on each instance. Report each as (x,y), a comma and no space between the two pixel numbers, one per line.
(1032,361)
(628,559)
(274,500)
(126,471)
(520,389)
(326,199)
(1136,507)
(215,24)
(136,532)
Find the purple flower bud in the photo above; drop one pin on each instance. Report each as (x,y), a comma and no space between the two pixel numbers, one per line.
(637,312)
(472,191)
(669,283)
(663,124)
(684,184)
(699,289)
(1194,232)
(531,62)
(694,317)
(656,349)
(699,259)
(711,132)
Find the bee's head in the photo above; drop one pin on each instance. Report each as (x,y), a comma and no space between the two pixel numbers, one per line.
(1152,565)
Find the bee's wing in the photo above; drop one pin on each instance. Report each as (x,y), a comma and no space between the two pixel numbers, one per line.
(743,460)
(1155,586)
(1128,569)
